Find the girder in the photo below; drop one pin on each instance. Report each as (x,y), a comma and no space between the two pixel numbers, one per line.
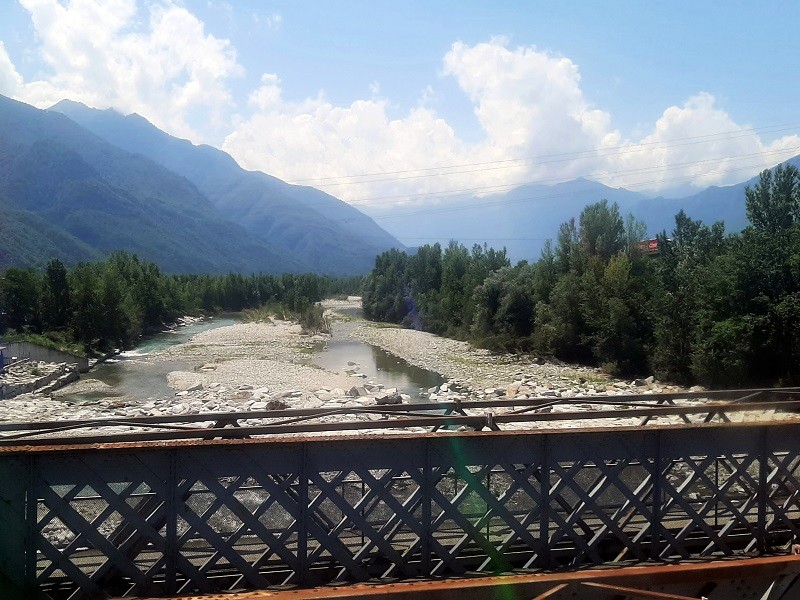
(207,516)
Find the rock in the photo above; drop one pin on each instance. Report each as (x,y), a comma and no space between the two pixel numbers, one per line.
(697,388)
(638,383)
(195,388)
(324,395)
(258,406)
(245,387)
(276,404)
(182,380)
(650,380)
(392,398)
(350,363)
(538,360)
(353,392)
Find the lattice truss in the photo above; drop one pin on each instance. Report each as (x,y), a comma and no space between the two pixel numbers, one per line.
(244,516)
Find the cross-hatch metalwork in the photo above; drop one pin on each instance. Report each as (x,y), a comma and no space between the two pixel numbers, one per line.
(203,515)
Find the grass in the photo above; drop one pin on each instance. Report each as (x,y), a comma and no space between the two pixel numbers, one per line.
(54,340)
(382,325)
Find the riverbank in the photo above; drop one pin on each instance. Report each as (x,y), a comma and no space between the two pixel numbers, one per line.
(263,366)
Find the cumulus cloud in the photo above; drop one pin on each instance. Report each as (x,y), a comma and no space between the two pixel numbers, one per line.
(161,64)
(10,79)
(528,102)
(697,143)
(530,106)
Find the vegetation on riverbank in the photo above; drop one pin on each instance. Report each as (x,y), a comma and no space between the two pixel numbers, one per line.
(104,305)
(723,310)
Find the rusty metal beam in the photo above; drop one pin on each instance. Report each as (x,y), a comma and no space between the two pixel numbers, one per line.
(419,409)
(26,432)
(635,592)
(532,586)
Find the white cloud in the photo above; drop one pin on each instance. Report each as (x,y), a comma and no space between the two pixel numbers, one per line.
(10,79)
(165,68)
(697,143)
(529,103)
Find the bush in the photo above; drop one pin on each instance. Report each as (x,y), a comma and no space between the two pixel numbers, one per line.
(312,320)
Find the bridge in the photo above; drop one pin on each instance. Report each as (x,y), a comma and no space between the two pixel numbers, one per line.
(210,504)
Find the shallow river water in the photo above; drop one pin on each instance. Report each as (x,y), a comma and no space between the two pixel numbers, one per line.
(132,376)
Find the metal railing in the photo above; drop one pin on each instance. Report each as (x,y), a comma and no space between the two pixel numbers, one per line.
(496,414)
(202,516)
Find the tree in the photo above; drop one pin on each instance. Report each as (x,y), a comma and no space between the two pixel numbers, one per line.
(773,204)
(602,231)
(19,299)
(56,304)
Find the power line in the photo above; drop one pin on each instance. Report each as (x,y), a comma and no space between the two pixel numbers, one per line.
(529,199)
(557,157)
(497,188)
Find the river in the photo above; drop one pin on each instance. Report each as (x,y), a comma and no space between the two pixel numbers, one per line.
(140,374)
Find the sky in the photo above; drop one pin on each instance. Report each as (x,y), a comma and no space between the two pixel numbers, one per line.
(394,104)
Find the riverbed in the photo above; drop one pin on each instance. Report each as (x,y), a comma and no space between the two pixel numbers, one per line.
(222,365)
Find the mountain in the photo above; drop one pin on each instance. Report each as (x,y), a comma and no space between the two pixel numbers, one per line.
(715,203)
(319,230)
(74,195)
(27,240)
(521,220)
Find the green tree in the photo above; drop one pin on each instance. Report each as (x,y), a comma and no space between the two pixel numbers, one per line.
(772,205)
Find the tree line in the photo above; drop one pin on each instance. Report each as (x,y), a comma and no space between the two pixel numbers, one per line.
(721,310)
(110,304)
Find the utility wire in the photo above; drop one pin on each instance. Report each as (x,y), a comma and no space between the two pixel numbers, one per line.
(378,200)
(558,157)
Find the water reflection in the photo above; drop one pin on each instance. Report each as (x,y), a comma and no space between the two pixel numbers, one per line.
(377,364)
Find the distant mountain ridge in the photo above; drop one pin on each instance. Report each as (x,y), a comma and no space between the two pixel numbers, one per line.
(316,228)
(71,195)
(524,218)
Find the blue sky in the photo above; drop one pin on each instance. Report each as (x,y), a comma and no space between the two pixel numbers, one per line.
(324,92)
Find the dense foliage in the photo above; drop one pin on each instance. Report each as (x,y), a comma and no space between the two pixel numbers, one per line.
(716,309)
(110,304)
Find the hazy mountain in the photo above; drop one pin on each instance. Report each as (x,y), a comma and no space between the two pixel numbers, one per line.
(66,186)
(524,218)
(318,229)
(521,220)
(725,203)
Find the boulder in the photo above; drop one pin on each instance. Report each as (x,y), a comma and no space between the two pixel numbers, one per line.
(393,398)
(276,404)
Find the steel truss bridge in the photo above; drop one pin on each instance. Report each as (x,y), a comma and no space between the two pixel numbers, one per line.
(213,504)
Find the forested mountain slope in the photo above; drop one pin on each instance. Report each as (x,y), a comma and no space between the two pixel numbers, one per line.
(317,229)
(71,188)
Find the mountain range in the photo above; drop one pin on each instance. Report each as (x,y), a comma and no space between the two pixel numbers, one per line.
(77,183)
(68,193)
(523,219)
